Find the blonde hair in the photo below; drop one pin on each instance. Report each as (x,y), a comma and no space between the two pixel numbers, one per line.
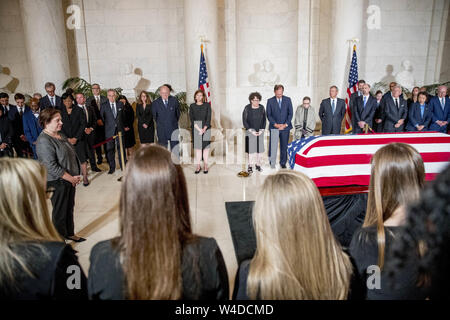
(397,175)
(24,214)
(297,255)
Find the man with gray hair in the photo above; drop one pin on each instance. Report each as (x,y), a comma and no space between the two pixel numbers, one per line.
(394,111)
(440,106)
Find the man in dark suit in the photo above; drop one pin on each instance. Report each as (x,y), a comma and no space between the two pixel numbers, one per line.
(20,142)
(9,110)
(91,125)
(352,105)
(440,106)
(51,100)
(420,114)
(365,107)
(394,111)
(111,114)
(31,127)
(331,112)
(166,112)
(279,113)
(95,101)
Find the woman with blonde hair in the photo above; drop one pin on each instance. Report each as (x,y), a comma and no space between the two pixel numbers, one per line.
(34,259)
(156,255)
(396,181)
(297,255)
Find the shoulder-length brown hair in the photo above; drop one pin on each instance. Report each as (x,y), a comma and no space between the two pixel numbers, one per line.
(139,100)
(397,176)
(202,92)
(154,225)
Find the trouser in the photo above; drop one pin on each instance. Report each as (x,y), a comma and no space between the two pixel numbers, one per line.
(111,154)
(283,137)
(165,141)
(63,202)
(99,137)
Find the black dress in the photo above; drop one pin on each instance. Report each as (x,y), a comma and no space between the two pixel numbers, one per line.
(129,139)
(49,262)
(200,115)
(145,116)
(73,127)
(255,120)
(364,250)
(204,273)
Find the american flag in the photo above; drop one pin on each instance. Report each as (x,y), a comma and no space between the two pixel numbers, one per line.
(352,87)
(203,82)
(344,160)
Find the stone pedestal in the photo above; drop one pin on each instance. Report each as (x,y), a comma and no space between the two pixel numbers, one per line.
(45,40)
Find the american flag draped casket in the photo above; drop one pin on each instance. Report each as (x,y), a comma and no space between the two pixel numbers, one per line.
(344,160)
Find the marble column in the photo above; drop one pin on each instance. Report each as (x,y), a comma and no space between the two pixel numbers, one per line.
(347,23)
(45,39)
(201,19)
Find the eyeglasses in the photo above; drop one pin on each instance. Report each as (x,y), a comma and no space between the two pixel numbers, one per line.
(49,192)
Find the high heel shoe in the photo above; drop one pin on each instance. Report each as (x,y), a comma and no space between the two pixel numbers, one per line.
(198,170)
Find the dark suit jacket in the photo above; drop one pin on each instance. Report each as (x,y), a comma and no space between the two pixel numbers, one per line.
(283,116)
(331,123)
(144,116)
(17,122)
(73,125)
(44,102)
(112,125)
(166,119)
(6,130)
(31,127)
(362,113)
(414,117)
(49,262)
(352,106)
(92,116)
(90,101)
(391,114)
(11,113)
(439,114)
(203,271)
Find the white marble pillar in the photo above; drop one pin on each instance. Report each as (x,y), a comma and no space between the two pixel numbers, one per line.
(45,39)
(201,19)
(347,23)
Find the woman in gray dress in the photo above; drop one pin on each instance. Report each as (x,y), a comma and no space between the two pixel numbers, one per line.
(57,154)
(200,115)
(254,120)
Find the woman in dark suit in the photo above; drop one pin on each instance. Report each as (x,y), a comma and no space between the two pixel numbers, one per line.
(156,255)
(254,120)
(200,116)
(57,154)
(36,262)
(129,139)
(146,126)
(74,123)
(419,115)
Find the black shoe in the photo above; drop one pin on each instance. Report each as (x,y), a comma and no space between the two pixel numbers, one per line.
(96,169)
(258,168)
(86,184)
(205,171)
(250,170)
(198,171)
(111,171)
(283,166)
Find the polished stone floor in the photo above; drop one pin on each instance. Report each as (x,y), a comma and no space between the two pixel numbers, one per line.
(96,208)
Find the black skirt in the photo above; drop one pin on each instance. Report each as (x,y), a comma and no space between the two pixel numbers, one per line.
(146,135)
(82,151)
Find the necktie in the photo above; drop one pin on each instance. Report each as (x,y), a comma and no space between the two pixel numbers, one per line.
(53,102)
(21,112)
(165,103)
(279,103)
(365,100)
(442,103)
(86,112)
(396,102)
(333,106)
(113,107)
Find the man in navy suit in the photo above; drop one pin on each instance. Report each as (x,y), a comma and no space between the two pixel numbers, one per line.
(420,114)
(111,114)
(440,106)
(352,103)
(166,112)
(279,113)
(394,111)
(364,110)
(21,145)
(31,127)
(331,112)
(51,100)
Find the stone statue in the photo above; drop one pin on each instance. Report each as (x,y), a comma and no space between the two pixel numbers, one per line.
(265,76)
(5,79)
(406,77)
(128,81)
